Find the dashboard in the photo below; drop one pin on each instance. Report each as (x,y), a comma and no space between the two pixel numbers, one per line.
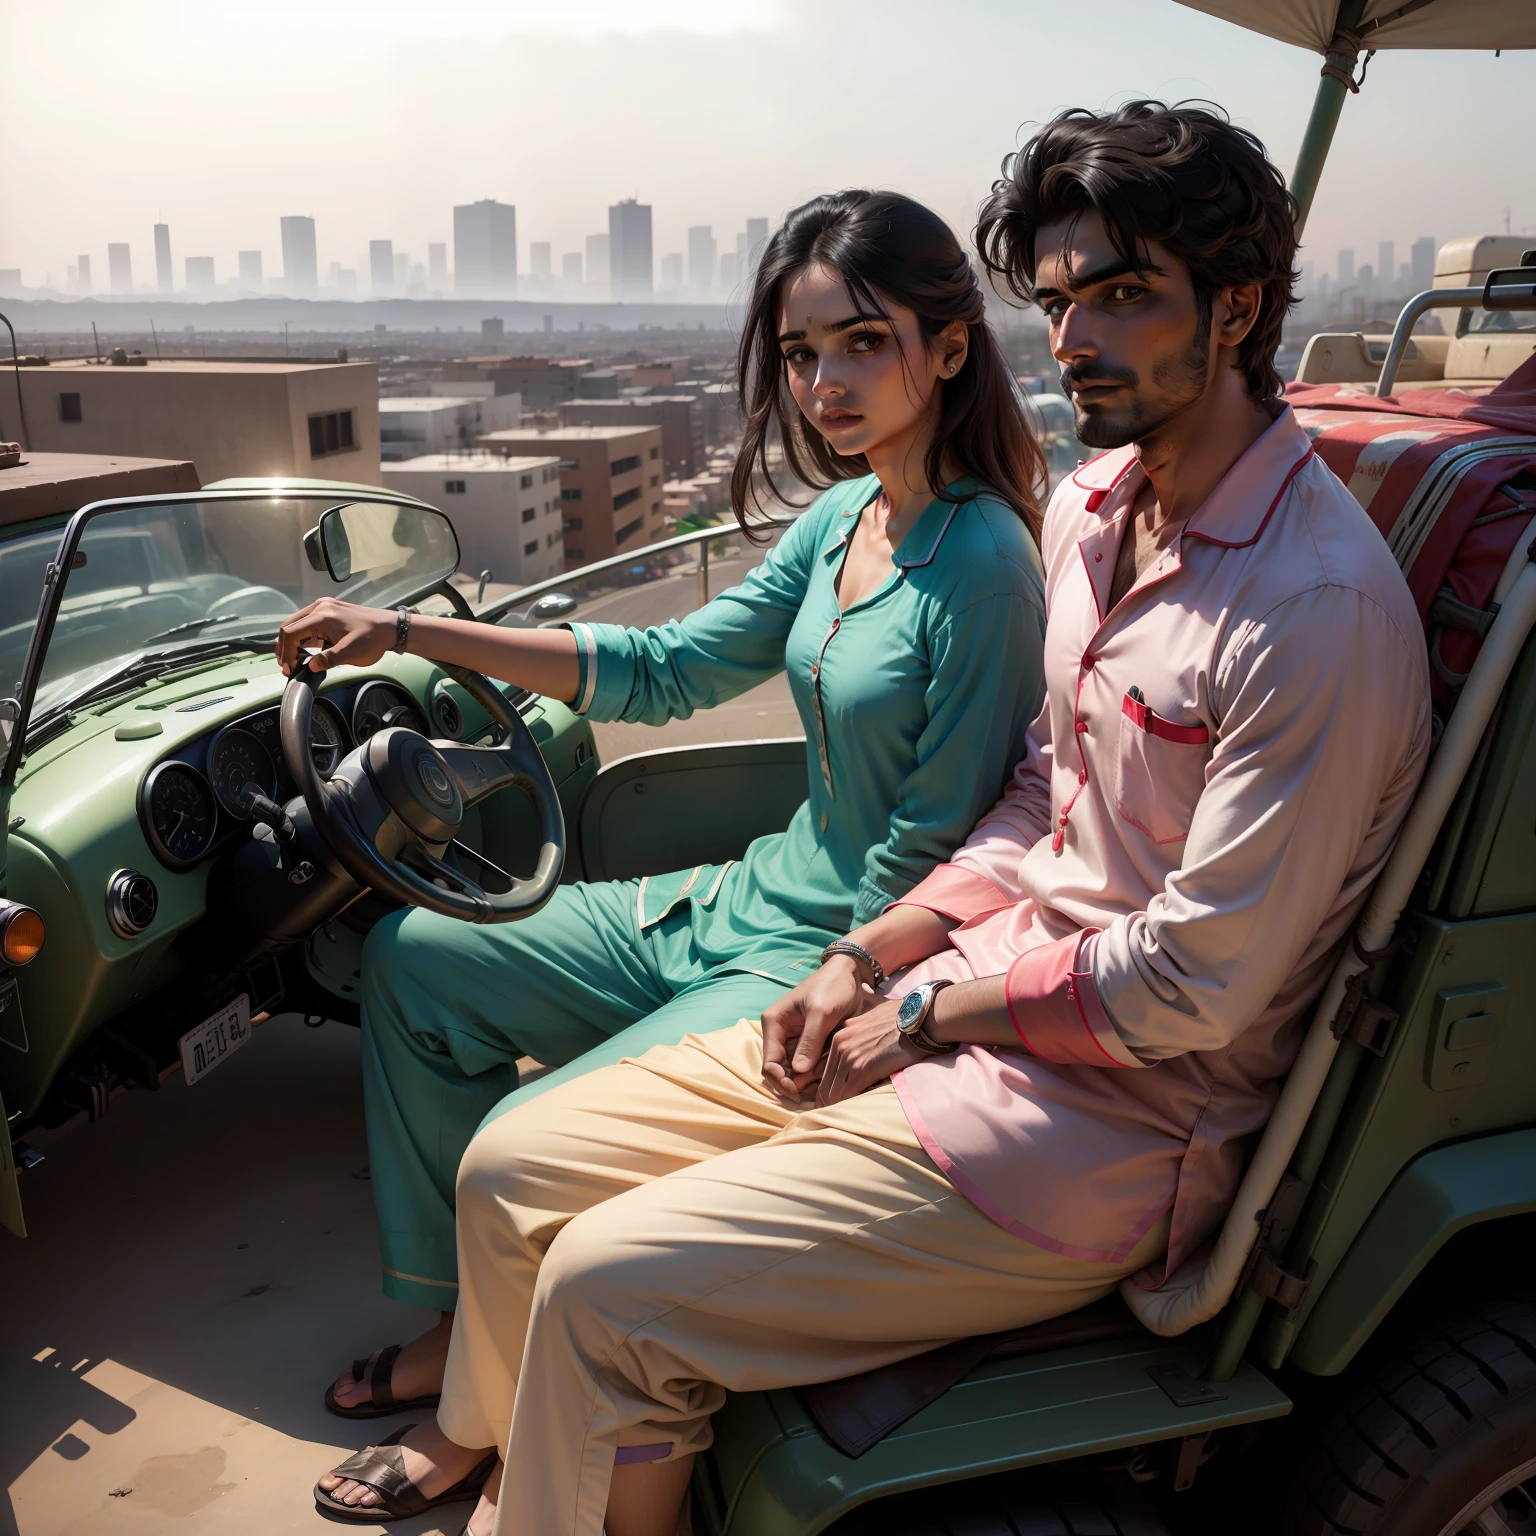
(190,804)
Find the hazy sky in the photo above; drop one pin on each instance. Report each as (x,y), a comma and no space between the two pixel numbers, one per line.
(376,116)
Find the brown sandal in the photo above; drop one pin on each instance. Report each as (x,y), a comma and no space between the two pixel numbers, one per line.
(381,1400)
(382,1468)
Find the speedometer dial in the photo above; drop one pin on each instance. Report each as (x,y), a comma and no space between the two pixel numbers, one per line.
(178,814)
(327,737)
(236,759)
(383,704)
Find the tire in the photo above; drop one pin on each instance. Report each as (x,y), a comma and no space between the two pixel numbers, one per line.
(1426,1436)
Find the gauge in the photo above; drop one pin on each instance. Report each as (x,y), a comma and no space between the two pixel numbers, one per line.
(236,759)
(178,813)
(447,715)
(383,704)
(327,737)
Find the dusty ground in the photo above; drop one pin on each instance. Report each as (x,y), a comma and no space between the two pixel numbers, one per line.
(201,1262)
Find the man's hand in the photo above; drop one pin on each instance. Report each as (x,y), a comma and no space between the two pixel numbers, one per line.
(797,1027)
(348,634)
(864,1052)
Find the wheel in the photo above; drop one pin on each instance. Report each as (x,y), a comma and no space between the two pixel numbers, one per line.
(1439,1440)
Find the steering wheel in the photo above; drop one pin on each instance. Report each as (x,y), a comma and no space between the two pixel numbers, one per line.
(392,806)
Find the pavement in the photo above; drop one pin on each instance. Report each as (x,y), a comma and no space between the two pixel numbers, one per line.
(200,1264)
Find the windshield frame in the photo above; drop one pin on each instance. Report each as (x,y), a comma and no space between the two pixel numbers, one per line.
(55,577)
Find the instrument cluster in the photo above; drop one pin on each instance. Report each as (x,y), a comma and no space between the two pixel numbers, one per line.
(191,804)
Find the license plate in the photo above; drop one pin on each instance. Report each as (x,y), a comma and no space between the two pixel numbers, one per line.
(216,1039)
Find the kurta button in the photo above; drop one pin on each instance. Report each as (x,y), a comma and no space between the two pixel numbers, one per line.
(1082,725)
(1062,818)
(1090,661)
(1098,557)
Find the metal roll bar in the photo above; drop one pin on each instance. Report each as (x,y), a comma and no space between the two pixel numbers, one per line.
(1507,288)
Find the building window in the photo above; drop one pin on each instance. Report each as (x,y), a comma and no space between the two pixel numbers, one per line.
(655,453)
(655,481)
(551,541)
(624,498)
(532,548)
(550,474)
(623,466)
(69,408)
(453,487)
(570,493)
(330,433)
(525,483)
(628,531)
(578,555)
(570,463)
(527,514)
(573,524)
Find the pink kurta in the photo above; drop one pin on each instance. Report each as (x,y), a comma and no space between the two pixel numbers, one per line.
(1165,880)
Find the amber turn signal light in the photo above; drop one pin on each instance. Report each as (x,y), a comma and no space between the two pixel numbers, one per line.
(21,933)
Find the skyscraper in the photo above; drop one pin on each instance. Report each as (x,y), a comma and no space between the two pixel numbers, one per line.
(629,251)
(598,273)
(381,268)
(757,238)
(1386,264)
(672,272)
(83,271)
(301,269)
(485,250)
(703,257)
(250,271)
(120,268)
(1346,268)
(1422,256)
(437,266)
(163,279)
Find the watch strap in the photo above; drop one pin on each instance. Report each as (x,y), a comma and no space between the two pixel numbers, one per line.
(402,628)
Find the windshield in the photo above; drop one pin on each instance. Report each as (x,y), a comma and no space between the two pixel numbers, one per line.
(181,574)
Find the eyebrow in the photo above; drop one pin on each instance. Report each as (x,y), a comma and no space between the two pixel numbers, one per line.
(1099,275)
(837,325)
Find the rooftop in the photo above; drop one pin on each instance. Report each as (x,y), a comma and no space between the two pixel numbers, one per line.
(201,365)
(427,402)
(47,483)
(471,463)
(561,434)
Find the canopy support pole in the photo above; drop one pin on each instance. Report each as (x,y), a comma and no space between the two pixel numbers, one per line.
(1331,91)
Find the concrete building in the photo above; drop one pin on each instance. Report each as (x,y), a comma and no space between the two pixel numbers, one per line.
(164,279)
(543,383)
(227,418)
(1386,264)
(599,272)
(120,268)
(250,271)
(1422,262)
(381,268)
(703,259)
(610,505)
(728,274)
(301,266)
(629,247)
(412,425)
(485,250)
(437,267)
(672,272)
(505,509)
(83,274)
(679,418)
(45,484)
(200,278)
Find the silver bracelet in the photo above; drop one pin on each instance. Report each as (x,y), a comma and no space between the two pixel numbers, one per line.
(856,952)
(402,628)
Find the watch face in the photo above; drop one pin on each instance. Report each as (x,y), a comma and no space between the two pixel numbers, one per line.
(911,1009)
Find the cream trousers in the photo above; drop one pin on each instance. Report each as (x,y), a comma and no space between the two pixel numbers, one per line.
(640,1240)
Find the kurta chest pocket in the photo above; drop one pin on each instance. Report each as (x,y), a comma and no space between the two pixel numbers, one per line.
(1159,771)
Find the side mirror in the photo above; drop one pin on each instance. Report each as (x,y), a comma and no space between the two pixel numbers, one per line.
(335,542)
(380,541)
(553,605)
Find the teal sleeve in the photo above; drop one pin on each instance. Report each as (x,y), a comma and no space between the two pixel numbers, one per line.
(666,672)
(986,684)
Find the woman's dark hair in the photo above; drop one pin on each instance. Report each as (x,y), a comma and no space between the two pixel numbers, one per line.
(888,250)
(1180,175)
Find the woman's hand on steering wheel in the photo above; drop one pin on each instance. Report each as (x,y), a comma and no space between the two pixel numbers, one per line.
(798,1027)
(348,635)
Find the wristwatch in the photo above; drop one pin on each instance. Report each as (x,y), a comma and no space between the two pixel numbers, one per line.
(912,1018)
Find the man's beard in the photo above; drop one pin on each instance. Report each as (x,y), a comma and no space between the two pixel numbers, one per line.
(1176,383)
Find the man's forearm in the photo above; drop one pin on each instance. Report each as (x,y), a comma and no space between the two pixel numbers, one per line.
(902,936)
(974,1013)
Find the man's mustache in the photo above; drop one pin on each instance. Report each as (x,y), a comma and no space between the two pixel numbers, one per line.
(1084,374)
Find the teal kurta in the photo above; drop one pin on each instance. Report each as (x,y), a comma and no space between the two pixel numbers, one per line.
(915,702)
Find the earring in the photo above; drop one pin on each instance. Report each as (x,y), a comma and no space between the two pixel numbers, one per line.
(952,368)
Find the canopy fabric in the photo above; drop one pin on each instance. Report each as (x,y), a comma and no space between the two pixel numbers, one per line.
(1402,23)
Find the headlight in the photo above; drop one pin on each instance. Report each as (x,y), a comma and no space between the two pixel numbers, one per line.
(21,933)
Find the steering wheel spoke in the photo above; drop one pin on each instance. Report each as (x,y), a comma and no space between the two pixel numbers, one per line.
(484,771)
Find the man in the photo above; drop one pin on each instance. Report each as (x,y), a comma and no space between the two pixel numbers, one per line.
(1099,993)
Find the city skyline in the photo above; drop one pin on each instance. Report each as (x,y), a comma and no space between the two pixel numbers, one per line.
(710,114)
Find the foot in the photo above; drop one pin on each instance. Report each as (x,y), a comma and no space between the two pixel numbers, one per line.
(432,1461)
(483,1520)
(418,1369)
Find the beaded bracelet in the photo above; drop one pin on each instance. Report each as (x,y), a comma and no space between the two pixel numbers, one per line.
(858,952)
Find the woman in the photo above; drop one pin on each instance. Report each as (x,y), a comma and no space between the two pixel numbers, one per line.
(906,606)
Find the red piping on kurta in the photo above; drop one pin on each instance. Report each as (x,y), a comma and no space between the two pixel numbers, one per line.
(1155,725)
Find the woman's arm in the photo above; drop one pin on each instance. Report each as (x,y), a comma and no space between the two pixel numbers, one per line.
(542,660)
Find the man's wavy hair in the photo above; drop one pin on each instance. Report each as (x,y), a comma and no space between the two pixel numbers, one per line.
(1181,175)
